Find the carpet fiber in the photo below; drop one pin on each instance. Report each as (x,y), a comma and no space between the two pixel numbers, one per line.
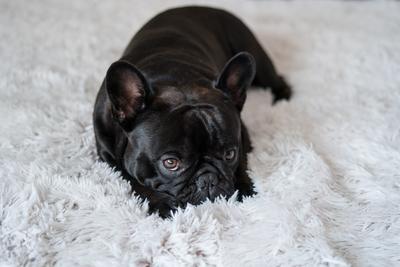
(326,164)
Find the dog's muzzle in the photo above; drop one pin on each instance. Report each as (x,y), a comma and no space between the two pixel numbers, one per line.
(207,184)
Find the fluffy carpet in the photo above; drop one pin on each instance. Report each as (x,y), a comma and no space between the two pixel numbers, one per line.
(326,164)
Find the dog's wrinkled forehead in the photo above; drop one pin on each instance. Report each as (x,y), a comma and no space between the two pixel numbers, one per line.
(197,118)
(174,96)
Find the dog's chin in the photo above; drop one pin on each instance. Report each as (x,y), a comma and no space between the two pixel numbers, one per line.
(190,194)
(196,197)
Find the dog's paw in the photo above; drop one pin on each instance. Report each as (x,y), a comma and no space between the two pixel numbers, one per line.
(164,206)
(246,190)
(283,91)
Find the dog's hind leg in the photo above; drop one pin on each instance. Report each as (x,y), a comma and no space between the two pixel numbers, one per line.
(242,39)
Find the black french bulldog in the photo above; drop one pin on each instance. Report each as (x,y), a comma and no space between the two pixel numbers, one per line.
(168,112)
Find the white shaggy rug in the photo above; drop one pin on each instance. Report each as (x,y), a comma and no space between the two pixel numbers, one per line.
(326,164)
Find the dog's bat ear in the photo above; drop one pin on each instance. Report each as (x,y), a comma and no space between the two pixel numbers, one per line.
(127,88)
(237,76)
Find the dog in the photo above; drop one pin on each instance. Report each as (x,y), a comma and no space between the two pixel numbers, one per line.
(167,114)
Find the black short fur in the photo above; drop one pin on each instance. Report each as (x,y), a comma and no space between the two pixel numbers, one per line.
(182,82)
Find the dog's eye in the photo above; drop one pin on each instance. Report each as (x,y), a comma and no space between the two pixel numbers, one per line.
(230,154)
(171,164)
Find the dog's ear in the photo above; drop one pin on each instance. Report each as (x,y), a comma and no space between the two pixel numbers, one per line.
(127,88)
(237,76)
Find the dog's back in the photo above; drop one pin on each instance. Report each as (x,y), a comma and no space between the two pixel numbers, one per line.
(197,36)
(197,41)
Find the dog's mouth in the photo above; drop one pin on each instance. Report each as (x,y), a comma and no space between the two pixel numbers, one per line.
(206,184)
(205,187)
(189,195)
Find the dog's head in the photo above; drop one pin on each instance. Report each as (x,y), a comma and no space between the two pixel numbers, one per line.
(186,140)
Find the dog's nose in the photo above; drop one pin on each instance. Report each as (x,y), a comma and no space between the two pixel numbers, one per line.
(207,181)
